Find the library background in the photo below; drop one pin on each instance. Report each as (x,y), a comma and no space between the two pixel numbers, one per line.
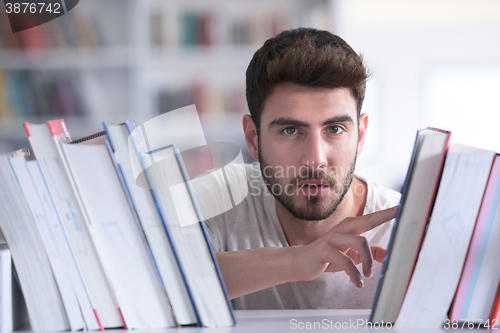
(434,63)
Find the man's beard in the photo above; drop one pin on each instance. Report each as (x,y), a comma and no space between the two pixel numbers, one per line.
(315,208)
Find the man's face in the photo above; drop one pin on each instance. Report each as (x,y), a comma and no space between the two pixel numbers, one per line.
(307,148)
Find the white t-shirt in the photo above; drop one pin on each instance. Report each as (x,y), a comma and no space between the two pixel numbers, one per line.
(253,223)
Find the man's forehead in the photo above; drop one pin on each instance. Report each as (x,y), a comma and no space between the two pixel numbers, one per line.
(309,105)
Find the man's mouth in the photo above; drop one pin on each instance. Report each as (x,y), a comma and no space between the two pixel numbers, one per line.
(313,184)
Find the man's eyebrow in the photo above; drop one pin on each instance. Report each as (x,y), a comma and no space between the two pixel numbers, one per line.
(285,121)
(339,119)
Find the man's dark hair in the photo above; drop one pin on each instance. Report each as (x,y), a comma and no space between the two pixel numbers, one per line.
(304,56)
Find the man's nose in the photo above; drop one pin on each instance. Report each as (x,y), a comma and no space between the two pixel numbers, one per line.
(315,152)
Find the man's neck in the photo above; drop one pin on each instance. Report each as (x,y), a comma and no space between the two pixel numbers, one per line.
(300,232)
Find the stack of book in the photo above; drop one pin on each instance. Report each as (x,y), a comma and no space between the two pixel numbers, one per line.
(92,249)
(209,28)
(441,268)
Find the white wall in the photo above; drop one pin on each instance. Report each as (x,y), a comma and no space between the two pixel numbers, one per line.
(415,49)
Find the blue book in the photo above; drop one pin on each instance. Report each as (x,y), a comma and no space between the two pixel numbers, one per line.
(151,219)
(162,170)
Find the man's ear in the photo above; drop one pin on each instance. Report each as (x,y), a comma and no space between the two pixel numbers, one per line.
(363,124)
(251,136)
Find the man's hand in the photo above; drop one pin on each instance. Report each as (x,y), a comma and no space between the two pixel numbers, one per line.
(341,248)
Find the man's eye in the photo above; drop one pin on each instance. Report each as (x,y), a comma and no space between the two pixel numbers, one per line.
(290,130)
(335,129)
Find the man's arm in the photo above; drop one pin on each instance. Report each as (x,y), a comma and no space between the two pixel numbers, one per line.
(341,248)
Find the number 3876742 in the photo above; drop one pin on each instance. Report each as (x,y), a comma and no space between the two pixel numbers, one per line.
(33,8)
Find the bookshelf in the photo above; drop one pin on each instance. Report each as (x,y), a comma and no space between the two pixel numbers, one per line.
(78,66)
(110,60)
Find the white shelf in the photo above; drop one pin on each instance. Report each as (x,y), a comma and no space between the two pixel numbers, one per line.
(215,127)
(128,74)
(217,57)
(78,126)
(66,59)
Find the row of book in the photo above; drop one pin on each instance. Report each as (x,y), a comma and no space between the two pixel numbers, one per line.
(93,249)
(209,99)
(78,31)
(29,93)
(442,266)
(206,28)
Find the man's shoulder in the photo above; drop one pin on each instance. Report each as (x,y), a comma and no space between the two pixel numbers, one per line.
(249,223)
(380,197)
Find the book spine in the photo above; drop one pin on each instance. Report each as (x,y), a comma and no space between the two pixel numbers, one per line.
(135,213)
(130,128)
(204,230)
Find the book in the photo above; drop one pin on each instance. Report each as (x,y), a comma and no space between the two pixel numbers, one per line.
(118,238)
(2,238)
(6,322)
(168,180)
(480,278)
(441,258)
(411,220)
(151,220)
(494,317)
(42,224)
(61,239)
(28,253)
(44,140)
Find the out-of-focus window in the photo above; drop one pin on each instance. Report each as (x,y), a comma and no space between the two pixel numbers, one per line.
(464,99)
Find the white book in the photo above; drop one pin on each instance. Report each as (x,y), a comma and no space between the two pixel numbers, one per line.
(65,249)
(44,140)
(172,189)
(488,274)
(475,295)
(118,238)
(447,239)
(411,220)
(6,320)
(29,256)
(55,257)
(152,224)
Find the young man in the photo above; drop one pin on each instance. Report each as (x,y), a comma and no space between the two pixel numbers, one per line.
(307,221)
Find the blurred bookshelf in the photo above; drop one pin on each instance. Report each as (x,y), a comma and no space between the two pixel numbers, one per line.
(111,60)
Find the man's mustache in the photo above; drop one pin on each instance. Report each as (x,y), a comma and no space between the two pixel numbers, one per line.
(314,175)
